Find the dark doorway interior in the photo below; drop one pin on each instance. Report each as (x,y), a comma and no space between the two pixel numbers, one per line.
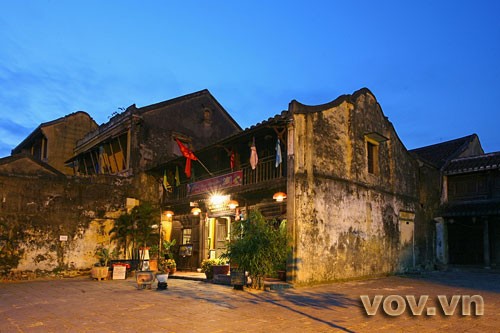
(465,242)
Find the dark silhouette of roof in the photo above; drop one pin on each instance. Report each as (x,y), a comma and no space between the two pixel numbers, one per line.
(484,162)
(476,208)
(441,153)
(40,127)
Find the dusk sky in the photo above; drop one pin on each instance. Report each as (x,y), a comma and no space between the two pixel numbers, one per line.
(434,66)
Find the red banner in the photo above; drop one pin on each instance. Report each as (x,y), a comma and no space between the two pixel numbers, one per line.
(216,183)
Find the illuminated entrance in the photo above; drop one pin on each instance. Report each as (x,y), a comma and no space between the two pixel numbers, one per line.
(216,227)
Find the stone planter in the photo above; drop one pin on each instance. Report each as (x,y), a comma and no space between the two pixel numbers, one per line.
(220,269)
(144,279)
(99,273)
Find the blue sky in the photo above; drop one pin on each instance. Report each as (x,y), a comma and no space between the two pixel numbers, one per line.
(432,65)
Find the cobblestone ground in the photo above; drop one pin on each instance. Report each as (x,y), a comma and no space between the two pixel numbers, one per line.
(83,305)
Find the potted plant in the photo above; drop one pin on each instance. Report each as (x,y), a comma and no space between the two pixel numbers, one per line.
(162,274)
(143,218)
(221,267)
(167,249)
(207,266)
(153,257)
(260,248)
(100,269)
(171,265)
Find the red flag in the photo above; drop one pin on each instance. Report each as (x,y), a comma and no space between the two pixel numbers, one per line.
(231,160)
(188,154)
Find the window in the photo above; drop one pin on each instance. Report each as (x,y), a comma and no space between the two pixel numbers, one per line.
(373,140)
(372,157)
(186,236)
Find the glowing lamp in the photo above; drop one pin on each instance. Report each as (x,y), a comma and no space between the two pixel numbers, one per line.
(232,204)
(279,196)
(196,211)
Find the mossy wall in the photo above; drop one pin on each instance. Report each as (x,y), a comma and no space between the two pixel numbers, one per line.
(36,211)
(346,219)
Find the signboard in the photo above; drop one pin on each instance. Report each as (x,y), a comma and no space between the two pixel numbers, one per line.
(119,272)
(238,278)
(216,183)
(407,216)
(186,250)
(63,238)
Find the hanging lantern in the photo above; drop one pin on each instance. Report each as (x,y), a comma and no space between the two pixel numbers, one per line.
(169,213)
(195,211)
(232,204)
(279,196)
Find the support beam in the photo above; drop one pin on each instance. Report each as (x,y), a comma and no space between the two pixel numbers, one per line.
(486,244)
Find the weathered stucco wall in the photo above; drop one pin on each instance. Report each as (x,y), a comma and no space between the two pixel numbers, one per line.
(36,211)
(347,220)
(62,137)
(198,117)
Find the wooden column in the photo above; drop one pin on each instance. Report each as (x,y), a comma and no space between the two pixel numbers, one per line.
(486,244)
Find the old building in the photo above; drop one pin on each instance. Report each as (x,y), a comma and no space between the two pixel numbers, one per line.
(37,198)
(53,142)
(468,217)
(140,138)
(352,198)
(355,201)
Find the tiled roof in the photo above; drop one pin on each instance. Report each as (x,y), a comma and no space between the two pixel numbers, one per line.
(473,164)
(470,209)
(439,154)
(276,118)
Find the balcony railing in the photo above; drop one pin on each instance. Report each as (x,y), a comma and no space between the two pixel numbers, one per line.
(265,171)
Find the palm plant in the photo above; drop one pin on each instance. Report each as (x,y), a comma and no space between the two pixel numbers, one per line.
(144,217)
(134,228)
(122,231)
(167,248)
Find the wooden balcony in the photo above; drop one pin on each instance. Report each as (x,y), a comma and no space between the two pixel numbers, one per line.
(264,173)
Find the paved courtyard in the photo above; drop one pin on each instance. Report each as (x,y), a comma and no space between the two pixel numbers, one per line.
(84,305)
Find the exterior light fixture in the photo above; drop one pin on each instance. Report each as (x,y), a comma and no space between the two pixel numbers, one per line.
(279,196)
(232,204)
(169,213)
(218,199)
(195,211)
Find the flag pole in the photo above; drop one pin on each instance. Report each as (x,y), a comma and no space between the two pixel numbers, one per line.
(203,165)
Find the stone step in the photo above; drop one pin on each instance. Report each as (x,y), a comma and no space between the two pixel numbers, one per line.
(276,284)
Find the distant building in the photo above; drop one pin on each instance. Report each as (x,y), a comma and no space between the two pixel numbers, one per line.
(53,142)
(468,212)
(23,164)
(140,138)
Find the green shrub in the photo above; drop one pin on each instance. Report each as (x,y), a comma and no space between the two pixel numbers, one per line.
(259,247)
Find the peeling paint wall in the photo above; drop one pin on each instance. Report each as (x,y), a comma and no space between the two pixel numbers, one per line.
(36,211)
(347,220)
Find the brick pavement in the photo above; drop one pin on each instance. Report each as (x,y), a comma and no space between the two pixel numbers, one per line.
(83,305)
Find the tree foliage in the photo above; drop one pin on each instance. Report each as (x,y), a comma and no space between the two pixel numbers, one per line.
(259,247)
(135,227)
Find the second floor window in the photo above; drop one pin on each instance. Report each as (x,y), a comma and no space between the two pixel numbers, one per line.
(372,157)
